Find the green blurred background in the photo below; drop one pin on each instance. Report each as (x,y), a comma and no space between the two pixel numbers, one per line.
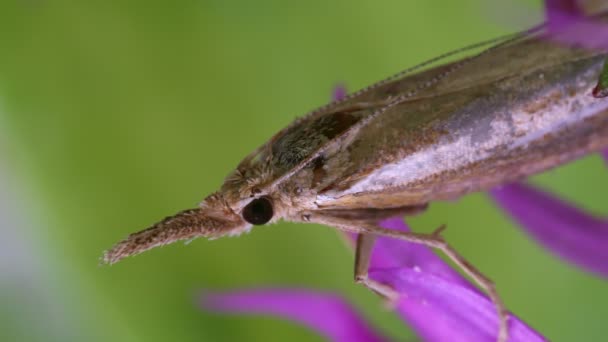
(114,114)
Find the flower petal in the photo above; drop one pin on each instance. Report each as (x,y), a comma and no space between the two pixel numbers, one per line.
(339,92)
(568,25)
(561,6)
(578,31)
(437,301)
(442,310)
(605,155)
(567,231)
(392,253)
(326,313)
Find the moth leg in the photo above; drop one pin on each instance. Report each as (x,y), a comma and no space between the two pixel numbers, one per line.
(433,240)
(363,253)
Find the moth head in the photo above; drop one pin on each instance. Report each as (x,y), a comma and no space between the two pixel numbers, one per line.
(216,217)
(241,203)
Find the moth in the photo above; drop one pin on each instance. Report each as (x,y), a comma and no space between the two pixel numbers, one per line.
(510,108)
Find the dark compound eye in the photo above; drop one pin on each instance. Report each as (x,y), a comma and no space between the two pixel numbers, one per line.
(259,211)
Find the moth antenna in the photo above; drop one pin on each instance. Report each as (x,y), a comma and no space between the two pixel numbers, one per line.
(185,225)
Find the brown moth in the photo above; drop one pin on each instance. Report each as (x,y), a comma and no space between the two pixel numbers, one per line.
(518,108)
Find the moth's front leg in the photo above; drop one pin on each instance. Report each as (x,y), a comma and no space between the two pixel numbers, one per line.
(433,240)
(363,253)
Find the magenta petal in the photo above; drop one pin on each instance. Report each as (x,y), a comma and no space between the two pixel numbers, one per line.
(605,155)
(436,301)
(567,231)
(442,310)
(433,294)
(567,24)
(339,92)
(326,313)
(561,6)
(393,253)
(578,31)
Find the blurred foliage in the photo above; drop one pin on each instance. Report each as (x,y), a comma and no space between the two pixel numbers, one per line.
(115,114)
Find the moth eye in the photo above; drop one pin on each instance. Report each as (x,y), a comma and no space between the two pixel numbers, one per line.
(259,211)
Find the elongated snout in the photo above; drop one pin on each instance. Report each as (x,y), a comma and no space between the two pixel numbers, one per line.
(185,225)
